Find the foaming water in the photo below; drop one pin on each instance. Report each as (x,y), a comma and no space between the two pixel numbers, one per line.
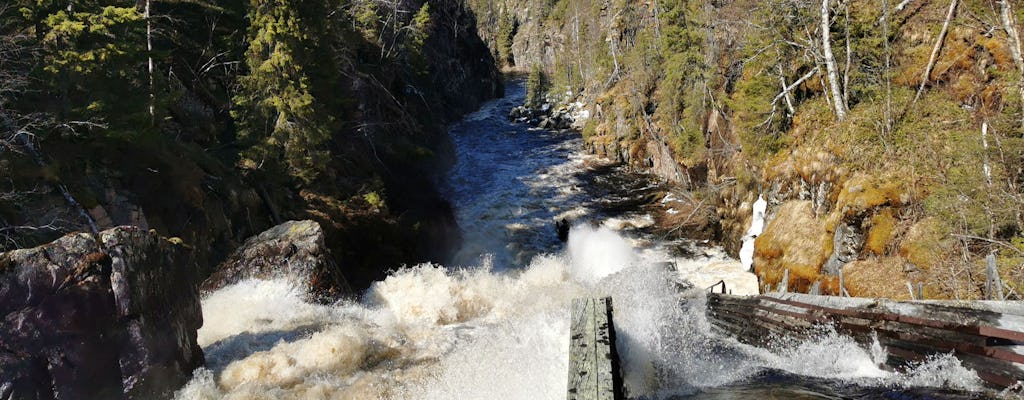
(496,323)
(430,332)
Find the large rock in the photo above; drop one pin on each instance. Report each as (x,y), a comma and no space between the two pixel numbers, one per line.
(98,319)
(293,250)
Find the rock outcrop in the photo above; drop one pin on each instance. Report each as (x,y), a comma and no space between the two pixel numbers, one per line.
(294,250)
(98,318)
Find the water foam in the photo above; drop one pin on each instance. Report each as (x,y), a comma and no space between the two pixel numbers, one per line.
(430,332)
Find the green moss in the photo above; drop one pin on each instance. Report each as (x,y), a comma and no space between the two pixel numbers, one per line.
(374,199)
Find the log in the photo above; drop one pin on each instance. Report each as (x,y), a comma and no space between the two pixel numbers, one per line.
(987,336)
(593,361)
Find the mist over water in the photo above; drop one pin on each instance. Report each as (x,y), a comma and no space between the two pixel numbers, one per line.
(495,325)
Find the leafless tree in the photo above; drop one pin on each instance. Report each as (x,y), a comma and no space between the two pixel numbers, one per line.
(18,140)
(830,63)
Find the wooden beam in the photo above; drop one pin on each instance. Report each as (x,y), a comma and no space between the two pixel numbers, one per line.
(593,362)
(987,336)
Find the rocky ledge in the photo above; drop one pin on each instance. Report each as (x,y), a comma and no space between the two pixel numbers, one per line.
(548,116)
(293,250)
(107,317)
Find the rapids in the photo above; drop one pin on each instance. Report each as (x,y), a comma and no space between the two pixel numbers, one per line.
(494,325)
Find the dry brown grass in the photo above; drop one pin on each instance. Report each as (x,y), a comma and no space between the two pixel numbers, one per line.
(878,277)
(795,240)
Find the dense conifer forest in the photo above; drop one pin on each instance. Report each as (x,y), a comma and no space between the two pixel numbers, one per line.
(211,120)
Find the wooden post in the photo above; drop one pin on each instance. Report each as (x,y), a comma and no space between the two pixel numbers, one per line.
(784,285)
(842,287)
(593,361)
(993,284)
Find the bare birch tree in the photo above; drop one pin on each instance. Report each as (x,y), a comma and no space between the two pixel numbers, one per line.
(830,63)
(1013,37)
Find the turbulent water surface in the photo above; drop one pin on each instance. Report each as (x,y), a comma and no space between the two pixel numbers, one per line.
(494,325)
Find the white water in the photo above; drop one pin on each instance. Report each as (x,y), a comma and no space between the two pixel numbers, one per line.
(432,333)
(498,328)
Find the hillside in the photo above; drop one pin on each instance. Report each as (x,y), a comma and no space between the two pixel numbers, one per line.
(886,137)
(213,120)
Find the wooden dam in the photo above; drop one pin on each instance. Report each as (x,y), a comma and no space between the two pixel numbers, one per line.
(986,336)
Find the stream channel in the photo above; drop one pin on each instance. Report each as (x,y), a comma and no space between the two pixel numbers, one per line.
(494,323)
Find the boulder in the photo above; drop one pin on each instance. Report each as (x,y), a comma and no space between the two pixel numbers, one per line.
(518,112)
(293,250)
(847,244)
(98,318)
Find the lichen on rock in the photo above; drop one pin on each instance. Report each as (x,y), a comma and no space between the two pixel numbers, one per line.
(109,318)
(293,250)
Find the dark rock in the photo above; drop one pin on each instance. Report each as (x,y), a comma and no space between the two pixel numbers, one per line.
(108,319)
(518,112)
(847,242)
(294,250)
(562,229)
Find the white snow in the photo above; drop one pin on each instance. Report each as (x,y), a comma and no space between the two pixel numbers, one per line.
(756,227)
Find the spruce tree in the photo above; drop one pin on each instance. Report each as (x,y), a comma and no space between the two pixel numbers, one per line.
(278,116)
(93,58)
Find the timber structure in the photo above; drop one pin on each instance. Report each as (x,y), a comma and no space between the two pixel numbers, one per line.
(986,336)
(593,361)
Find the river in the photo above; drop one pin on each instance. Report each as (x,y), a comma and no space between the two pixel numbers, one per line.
(494,323)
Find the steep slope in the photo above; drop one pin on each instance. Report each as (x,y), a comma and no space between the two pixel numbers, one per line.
(213,120)
(885,137)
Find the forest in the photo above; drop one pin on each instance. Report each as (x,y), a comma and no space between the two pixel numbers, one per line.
(886,136)
(210,120)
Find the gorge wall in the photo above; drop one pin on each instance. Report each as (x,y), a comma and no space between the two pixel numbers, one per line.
(212,122)
(887,138)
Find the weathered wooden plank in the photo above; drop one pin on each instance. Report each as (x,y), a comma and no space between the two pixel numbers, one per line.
(593,362)
(986,336)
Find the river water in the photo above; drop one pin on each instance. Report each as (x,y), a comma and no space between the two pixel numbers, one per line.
(494,323)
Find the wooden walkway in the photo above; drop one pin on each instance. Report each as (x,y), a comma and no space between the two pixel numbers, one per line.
(987,336)
(593,361)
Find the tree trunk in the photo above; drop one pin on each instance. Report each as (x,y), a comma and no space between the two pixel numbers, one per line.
(149,55)
(849,60)
(830,64)
(1006,14)
(888,68)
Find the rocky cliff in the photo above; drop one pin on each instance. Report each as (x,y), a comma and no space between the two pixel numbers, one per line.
(364,110)
(107,317)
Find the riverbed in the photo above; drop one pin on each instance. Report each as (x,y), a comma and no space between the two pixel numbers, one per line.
(493,322)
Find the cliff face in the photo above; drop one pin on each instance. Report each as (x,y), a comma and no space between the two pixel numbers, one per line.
(113,317)
(364,106)
(886,141)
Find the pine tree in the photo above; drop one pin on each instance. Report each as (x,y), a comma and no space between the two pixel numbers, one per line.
(93,56)
(680,96)
(507,27)
(419,33)
(278,115)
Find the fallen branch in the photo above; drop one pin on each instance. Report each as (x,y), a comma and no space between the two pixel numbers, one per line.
(997,242)
(790,88)
(935,50)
